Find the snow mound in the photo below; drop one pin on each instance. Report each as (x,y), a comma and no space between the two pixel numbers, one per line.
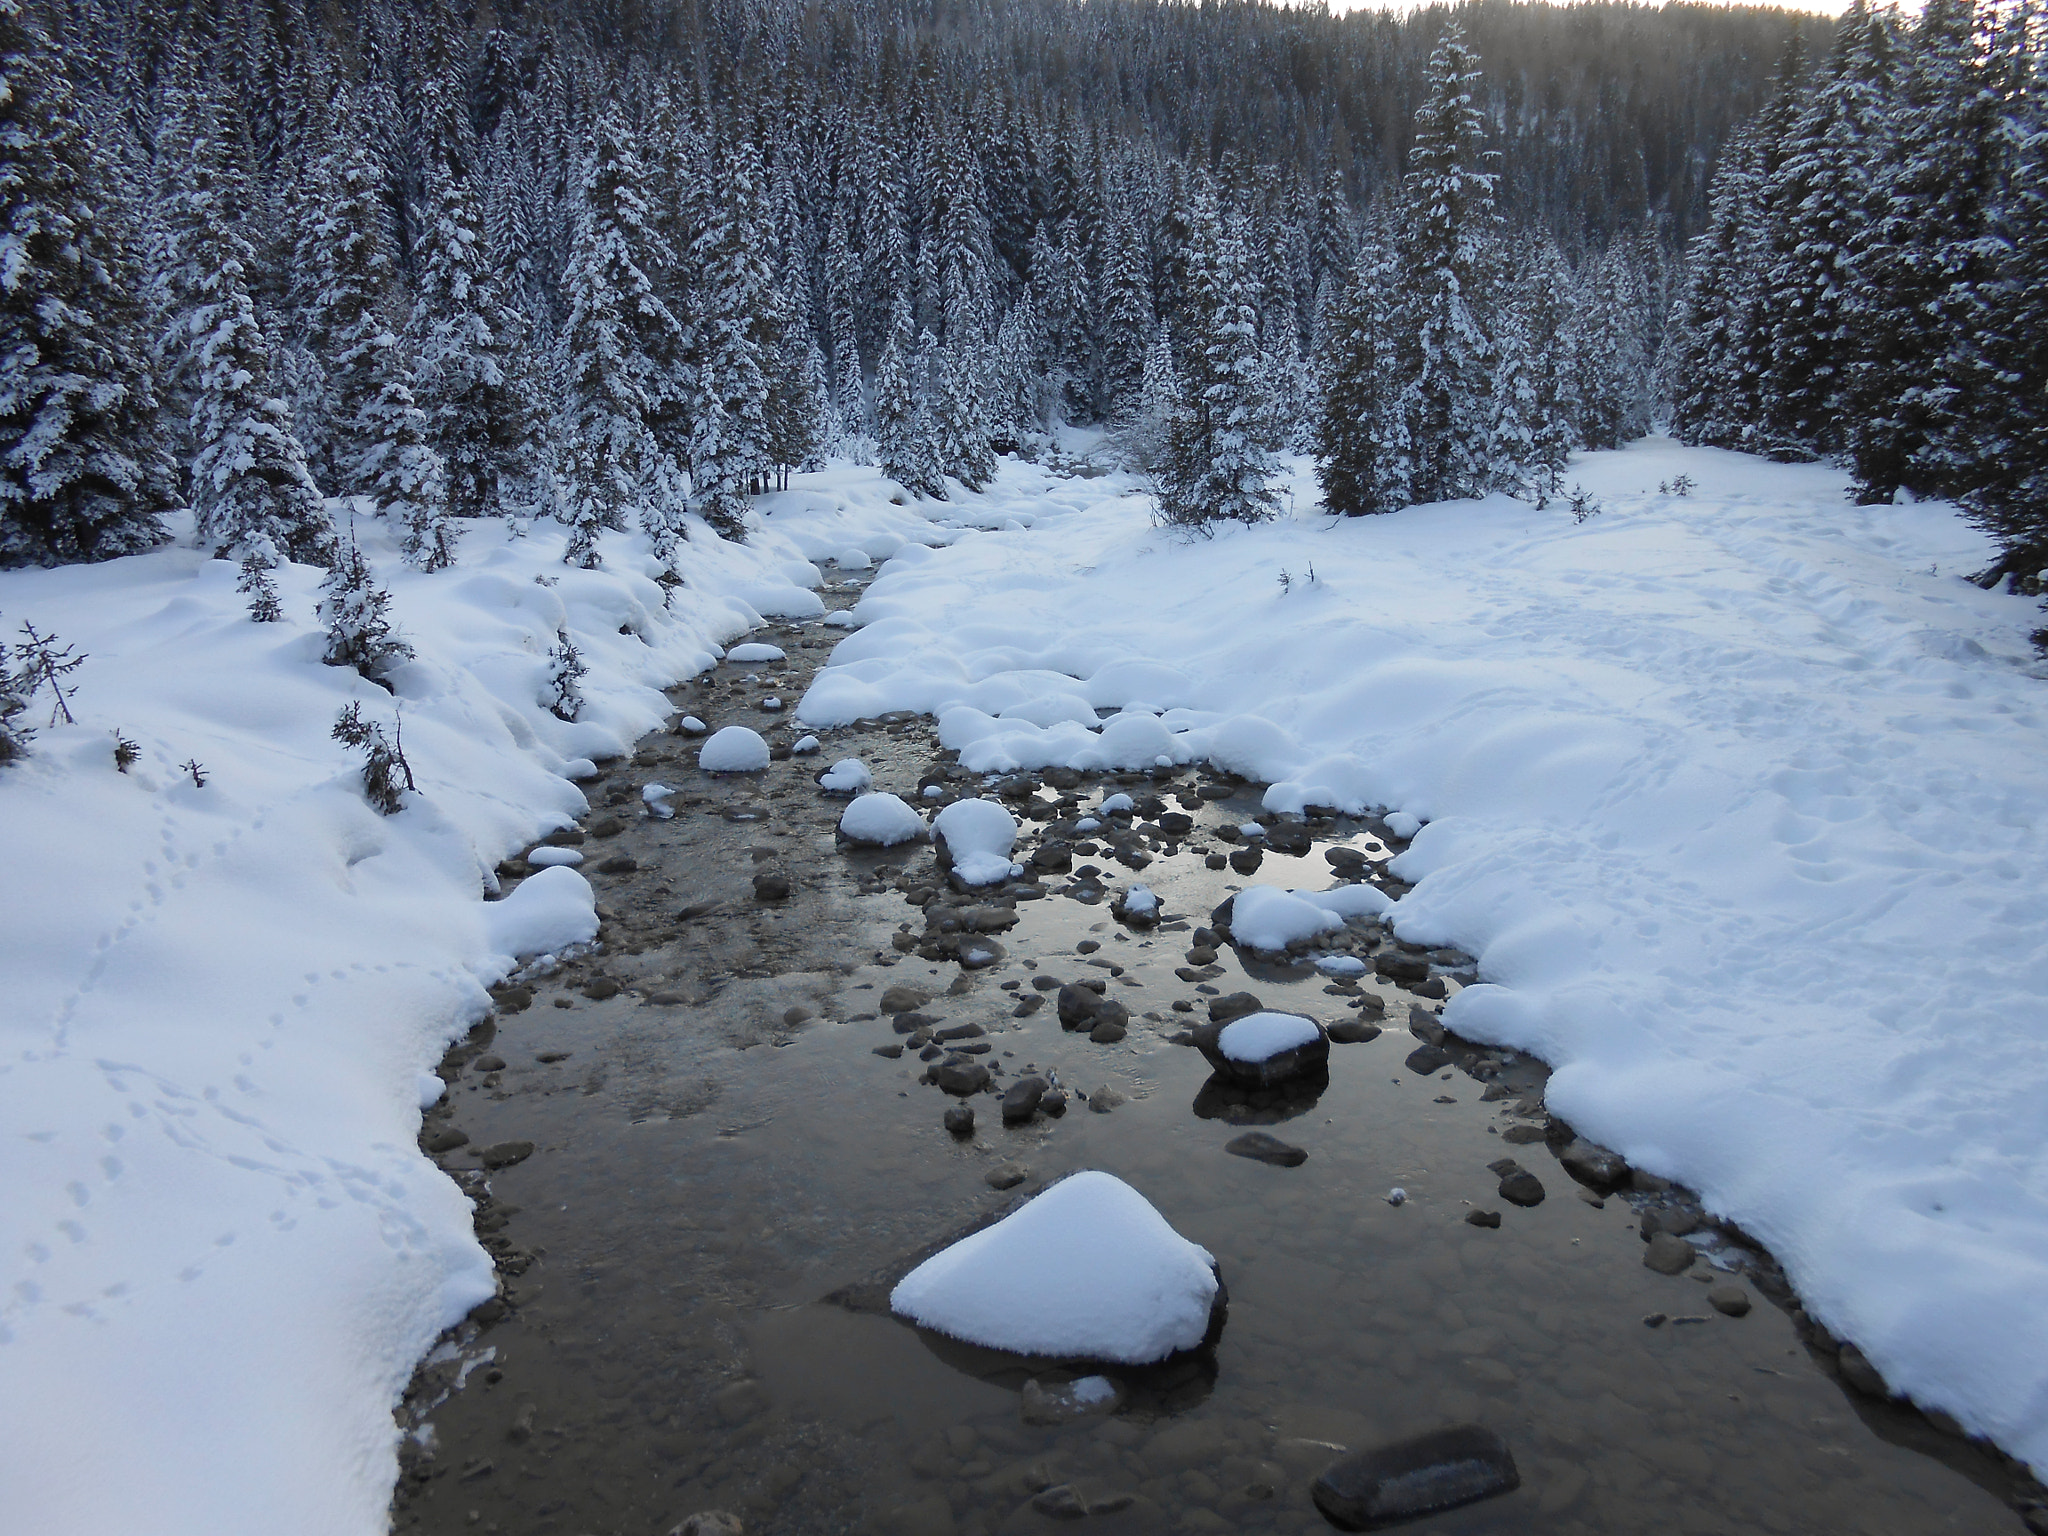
(432,1089)
(885,820)
(1265,917)
(549,910)
(853,560)
(756,651)
(692,726)
(979,835)
(577,769)
(1117,805)
(735,749)
(805,746)
(543,858)
(1403,825)
(1262,1036)
(848,776)
(1087,1270)
(1342,965)
(1139,901)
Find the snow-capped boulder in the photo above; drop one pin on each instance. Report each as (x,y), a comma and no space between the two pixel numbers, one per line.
(977,836)
(1087,1270)
(1266,1048)
(734,750)
(848,776)
(1263,917)
(754,651)
(883,820)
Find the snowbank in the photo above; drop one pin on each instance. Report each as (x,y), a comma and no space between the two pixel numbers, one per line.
(223,1250)
(1737,796)
(1088,1269)
(1264,917)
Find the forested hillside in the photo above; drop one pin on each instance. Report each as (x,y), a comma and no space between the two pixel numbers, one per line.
(616,262)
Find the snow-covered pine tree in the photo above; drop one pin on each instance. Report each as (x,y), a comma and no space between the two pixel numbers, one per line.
(1127,319)
(256,584)
(614,342)
(483,415)
(959,415)
(1549,336)
(81,474)
(248,475)
(1217,464)
(1612,354)
(1717,322)
(903,444)
(735,331)
(562,695)
(1447,287)
(1361,436)
(356,613)
(1144,437)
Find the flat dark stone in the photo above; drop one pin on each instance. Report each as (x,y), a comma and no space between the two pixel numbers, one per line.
(1354,1032)
(1426,1059)
(1223,1010)
(1478,1218)
(504,1154)
(1594,1166)
(619,864)
(1400,967)
(446,1139)
(1020,1100)
(1444,1469)
(960,1077)
(1521,1188)
(1262,1148)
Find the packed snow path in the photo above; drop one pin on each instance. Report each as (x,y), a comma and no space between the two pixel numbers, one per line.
(1737,796)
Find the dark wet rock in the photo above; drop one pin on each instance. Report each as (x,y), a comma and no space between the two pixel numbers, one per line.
(1006,1175)
(1054,857)
(1495,1092)
(1675,1219)
(1302,1061)
(1246,861)
(1288,838)
(1648,1183)
(1020,1099)
(1444,1469)
(1522,1135)
(1426,1059)
(1426,1026)
(1054,1104)
(446,1139)
(1859,1373)
(771,887)
(979,953)
(903,999)
(1176,823)
(619,864)
(1105,1099)
(1063,1402)
(988,919)
(1222,1010)
(960,1032)
(607,826)
(1431,987)
(1521,1187)
(1594,1166)
(929,1053)
(512,999)
(1108,1032)
(1215,791)
(959,1077)
(549,1058)
(1083,1007)
(489,1064)
(1354,1032)
(1729,1300)
(960,1120)
(503,1154)
(1396,966)
(1479,1218)
(1346,860)
(564,837)
(1045,983)
(1215,861)
(1201,954)
(894,1050)
(1261,1147)
(1027,1006)
(600,989)
(1669,1255)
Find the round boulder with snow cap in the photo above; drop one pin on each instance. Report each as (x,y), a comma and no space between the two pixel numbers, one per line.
(1087,1270)
(882,820)
(1264,1049)
(734,750)
(975,837)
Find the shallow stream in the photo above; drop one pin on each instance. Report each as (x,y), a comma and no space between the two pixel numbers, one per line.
(717,1147)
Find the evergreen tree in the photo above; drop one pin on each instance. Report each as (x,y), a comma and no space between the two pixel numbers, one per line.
(81,475)
(1361,434)
(1549,339)
(1127,319)
(1715,335)
(1611,351)
(903,445)
(249,479)
(736,333)
(356,612)
(1217,463)
(1446,283)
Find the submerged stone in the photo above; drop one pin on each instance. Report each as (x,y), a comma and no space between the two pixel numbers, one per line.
(1444,1469)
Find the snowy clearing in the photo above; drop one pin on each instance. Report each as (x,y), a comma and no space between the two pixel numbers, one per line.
(1737,797)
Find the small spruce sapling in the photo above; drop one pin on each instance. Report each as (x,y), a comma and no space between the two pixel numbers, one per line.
(197,769)
(1583,505)
(354,609)
(564,698)
(39,663)
(127,751)
(255,581)
(386,773)
(14,735)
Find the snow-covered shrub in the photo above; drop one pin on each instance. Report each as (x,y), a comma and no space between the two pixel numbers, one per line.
(386,773)
(564,696)
(359,629)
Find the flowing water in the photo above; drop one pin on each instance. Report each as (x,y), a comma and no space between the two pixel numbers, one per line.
(719,1147)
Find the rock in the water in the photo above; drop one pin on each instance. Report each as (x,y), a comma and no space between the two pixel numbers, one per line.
(1062,1402)
(1104,1099)
(1598,1169)
(1728,1300)
(619,864)
(960,1077)
(1262,1050)
(1224,1009)
(504,1154)
(1262,1148)
(1020,1100)
(1084,1008)
(881,819)
(1521,1187)
(734,750)
(771,887)
(1108,1032)
(1426,1059)
(1054,1104)
(1246,861)
(1669,1255)
(1444,1469)
(1086,1270)
(446,1139)
(1354,1032)
(903,999)
(960,1120)
(1006,1175)
(1479,1218)
(1396,966)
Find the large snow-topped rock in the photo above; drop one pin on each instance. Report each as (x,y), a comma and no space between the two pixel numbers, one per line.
(734,750)
(978,835)
(1265,1049)
(548,910)
(1270,919)
(755,651)
(848,776)
(1086,1270)
(884,820)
